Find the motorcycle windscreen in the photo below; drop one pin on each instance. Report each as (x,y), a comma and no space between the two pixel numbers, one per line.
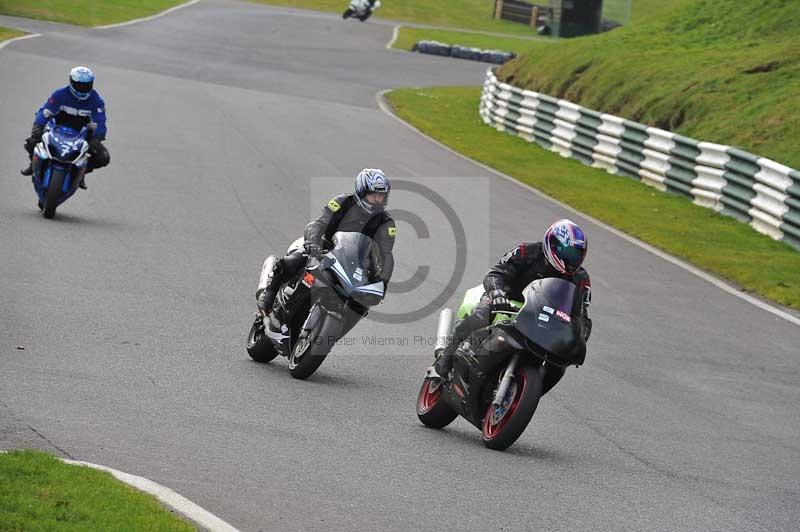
(354,253)
(65,143)
(550,320)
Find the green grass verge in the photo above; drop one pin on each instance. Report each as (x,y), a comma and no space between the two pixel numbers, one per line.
(524,41)
(469,14)
(39,492)
(715,243)
(7,33)
(407,36)
(85,12)
(725,71)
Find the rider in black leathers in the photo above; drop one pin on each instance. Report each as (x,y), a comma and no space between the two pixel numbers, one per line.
(506,280)
(362,211)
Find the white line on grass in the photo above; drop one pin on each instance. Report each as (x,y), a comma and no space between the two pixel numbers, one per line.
(9,41)
(383,104)
(180,504)
(151,17)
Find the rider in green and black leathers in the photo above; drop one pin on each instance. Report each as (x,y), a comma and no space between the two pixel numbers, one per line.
(560,254)
(362,211)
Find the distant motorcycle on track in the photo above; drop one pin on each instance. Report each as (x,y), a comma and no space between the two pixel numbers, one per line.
(361,9)
(59,163)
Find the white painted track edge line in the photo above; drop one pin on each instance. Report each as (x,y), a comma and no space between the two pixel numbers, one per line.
(722,285)
(395,34)
(20,38)
(168,497)
(145,19)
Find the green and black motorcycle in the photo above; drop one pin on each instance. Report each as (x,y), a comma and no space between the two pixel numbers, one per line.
(499,371)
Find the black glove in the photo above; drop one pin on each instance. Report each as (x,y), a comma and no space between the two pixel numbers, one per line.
(312,250)
(499,300)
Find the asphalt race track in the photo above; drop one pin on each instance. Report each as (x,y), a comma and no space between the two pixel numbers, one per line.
(229,123)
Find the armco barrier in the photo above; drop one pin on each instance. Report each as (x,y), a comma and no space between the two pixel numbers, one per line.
(752,189)
(497,57)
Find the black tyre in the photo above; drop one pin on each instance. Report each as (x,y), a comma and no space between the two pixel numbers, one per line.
(310,351)
(363,18)
(53,192)
(259,347)
(432,410)
(504,424)
(347,13)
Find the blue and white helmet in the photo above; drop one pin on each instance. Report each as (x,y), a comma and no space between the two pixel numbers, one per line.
(81,82)
(372,181)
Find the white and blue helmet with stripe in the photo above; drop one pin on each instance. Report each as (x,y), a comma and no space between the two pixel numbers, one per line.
(372,181)
(81,82)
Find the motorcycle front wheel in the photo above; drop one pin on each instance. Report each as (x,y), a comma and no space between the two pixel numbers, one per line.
(310,350)
(432,410)
(503,424)
(53,192)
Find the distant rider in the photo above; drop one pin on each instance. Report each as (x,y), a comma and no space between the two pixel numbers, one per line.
(74,106)
(362,211)
(560,254)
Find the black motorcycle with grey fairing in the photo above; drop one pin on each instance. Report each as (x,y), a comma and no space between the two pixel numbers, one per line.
(500,372)
(313,311)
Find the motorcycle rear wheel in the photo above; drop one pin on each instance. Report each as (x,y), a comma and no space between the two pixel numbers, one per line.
(259,347)
(504,424)
(432,410)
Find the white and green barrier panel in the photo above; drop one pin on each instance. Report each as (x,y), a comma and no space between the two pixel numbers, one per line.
(753,189)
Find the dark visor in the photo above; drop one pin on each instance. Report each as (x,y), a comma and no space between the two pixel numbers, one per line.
(82,86)
(572,257)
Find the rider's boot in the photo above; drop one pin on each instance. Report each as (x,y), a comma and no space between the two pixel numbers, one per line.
(89,170)
(444,363)
(266,298)
(28,171)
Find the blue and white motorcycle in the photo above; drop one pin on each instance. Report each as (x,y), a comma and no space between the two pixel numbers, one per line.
(59,163)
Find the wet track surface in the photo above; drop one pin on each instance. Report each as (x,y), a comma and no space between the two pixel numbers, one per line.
(228,123)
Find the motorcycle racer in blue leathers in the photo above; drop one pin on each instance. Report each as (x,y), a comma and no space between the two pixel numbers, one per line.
(75,106)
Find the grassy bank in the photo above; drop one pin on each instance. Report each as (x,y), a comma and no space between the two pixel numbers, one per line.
(407,36)
(469,14)
(6,33)
(527,41)
(39,492)
(85,12)
(715,243)
(725,71)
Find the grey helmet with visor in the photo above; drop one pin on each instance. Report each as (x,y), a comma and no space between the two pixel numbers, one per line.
(372,190)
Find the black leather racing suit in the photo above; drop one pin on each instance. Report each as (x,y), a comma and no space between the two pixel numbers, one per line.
(341,213)
(516,270)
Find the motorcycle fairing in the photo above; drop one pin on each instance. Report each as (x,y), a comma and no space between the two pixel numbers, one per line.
(62,148)
(556,339)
